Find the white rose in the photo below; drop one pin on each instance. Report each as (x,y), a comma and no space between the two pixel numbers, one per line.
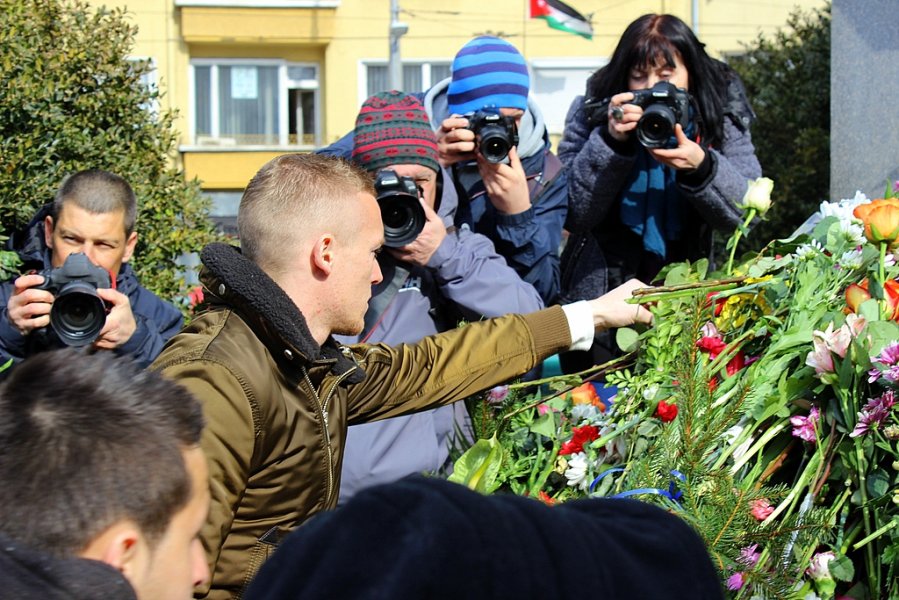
(758,195)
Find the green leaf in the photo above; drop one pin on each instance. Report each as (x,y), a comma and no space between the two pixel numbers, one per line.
(627,339)
(678,275)
(878,484)
(842,569)
(545,424)
(881,333)
(478,468)
(870,309)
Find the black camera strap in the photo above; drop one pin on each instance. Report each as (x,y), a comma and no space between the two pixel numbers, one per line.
(395,275)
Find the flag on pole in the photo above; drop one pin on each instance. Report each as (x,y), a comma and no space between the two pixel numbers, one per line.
(560,16)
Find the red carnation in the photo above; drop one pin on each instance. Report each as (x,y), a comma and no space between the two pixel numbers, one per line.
(579,437)
(666,412)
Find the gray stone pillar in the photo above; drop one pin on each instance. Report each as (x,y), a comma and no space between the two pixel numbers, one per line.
(864,104)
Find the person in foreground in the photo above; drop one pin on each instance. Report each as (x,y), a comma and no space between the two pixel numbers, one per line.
(279,391)
(443,540)
(94,213)
(103,486)
(645,193)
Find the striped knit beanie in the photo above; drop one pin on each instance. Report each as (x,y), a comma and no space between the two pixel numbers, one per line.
(393,129)
(488,71)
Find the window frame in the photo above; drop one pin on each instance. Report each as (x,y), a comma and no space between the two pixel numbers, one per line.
(425,64)
(284,84)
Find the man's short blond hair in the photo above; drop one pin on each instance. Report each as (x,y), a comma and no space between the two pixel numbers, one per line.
(291,197)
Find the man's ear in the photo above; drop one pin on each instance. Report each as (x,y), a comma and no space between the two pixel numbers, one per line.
(130,244)
(323,254)
(48,231)
(121,546)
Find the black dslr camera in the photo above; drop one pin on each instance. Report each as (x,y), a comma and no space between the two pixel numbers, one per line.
(401,211)
(664,106)
(78,313)
(495,134)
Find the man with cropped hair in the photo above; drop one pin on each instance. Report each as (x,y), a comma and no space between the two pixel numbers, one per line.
(92,219)
(279,390)
(103,485)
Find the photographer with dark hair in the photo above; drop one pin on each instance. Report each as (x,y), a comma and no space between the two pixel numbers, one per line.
(658,155)
(434,277)
(103,485)
(83,292)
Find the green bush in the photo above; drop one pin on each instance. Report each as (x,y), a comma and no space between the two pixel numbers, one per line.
(69,100)
(787,78)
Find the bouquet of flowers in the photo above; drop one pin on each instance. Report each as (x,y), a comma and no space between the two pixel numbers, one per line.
(760,407)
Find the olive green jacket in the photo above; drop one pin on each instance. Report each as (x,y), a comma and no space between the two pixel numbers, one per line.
(278,405)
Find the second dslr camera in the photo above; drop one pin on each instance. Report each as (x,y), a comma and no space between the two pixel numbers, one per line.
(664,106)
(495,134)
(401,211)
(78,313)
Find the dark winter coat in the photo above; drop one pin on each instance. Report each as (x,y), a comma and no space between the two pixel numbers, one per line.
(157,320)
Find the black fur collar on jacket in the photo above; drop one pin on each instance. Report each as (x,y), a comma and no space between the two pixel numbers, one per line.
(239,283)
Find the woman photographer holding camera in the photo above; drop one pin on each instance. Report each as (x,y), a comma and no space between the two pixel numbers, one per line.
(633,209)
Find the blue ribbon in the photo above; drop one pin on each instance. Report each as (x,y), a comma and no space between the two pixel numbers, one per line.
(672,493)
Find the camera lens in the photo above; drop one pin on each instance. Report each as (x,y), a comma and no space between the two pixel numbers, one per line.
(403,218)
(78,314)
(655,129)
(495,147)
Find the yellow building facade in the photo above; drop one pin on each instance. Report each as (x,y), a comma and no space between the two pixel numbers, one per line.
(251,79)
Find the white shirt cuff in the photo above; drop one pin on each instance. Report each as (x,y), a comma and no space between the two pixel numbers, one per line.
(580,324)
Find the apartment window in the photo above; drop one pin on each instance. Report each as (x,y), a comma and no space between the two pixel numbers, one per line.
(255,103)
(417,77)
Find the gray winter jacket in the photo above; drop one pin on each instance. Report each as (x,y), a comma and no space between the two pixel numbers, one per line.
(464,279)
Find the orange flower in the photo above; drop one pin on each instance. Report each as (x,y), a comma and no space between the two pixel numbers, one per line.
(586,394)
(881,219)
(857,293)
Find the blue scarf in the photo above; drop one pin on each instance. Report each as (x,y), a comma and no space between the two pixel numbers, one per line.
(651,204)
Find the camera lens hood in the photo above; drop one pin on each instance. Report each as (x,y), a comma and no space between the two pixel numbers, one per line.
(403,218)
(78,314)
(655,129)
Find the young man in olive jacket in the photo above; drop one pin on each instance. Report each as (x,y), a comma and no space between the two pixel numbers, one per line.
(279,391)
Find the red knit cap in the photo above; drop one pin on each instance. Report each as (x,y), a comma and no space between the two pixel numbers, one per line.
(393,129)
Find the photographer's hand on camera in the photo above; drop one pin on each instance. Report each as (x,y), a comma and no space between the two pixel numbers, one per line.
(28,308)
(506,184)
(120,323)
(623,117)
(419,251)
(687,156)
(455,142)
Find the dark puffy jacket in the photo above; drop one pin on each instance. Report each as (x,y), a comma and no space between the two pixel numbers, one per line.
(157,320)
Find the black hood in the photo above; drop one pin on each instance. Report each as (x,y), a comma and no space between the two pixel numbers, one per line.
(233,280)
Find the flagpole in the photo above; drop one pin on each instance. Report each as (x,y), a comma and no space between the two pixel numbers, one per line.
(524,35)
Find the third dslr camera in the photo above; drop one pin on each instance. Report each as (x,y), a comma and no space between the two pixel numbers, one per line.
(495,134)
(78,313)
(664,106)
(401,211)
